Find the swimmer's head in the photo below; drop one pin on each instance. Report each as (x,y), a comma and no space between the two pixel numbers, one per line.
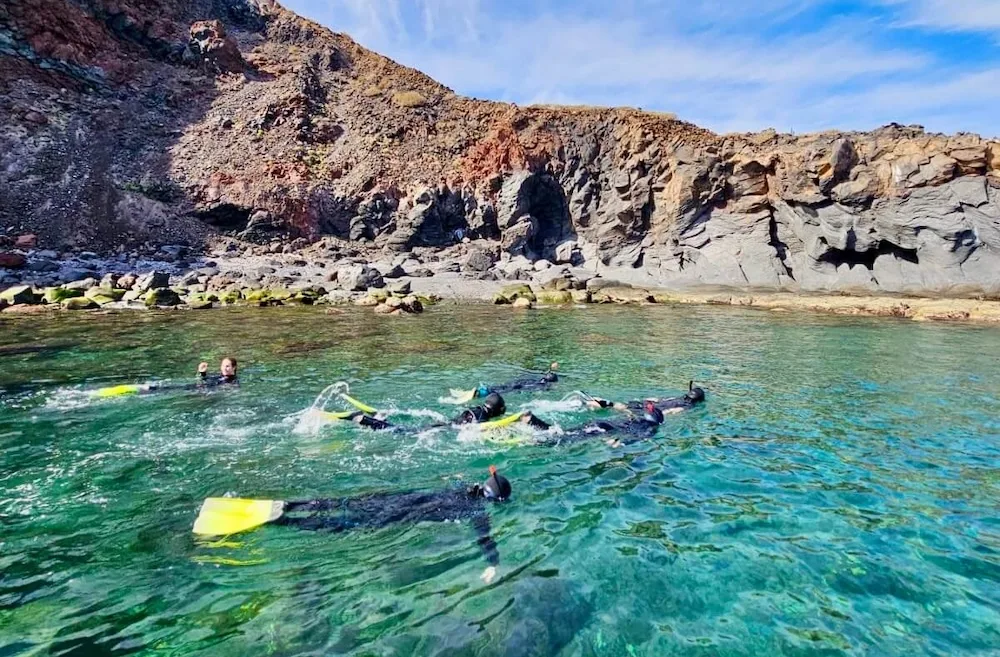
(651,413)
(494,404)
(228,366)
(481,392)
(694,393)
(551,376)
(496,488)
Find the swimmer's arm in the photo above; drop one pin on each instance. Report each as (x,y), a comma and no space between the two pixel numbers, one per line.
(481,522)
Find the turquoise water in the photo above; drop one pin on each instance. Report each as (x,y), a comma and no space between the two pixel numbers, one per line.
(839,493)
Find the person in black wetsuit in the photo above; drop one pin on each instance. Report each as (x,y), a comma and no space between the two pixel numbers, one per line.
(382,509)
(493,406)
(225,377)
(527,383)
(667,405)
(624,432)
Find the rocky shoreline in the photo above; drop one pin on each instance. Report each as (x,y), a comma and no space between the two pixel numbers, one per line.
(335,273)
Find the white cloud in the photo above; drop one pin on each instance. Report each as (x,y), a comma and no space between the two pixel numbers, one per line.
(723,65)
(959,15)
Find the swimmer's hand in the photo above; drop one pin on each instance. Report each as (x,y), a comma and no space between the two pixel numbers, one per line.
(202,368)
(488,575)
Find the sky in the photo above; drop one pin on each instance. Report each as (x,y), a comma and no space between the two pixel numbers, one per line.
(728,65)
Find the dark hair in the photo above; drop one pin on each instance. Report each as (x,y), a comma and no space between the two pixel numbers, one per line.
(231,360)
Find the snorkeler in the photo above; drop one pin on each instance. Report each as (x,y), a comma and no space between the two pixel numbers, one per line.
(691,398)
(225,377)
(222,516)
(528,383)
(631,429)
(493,406)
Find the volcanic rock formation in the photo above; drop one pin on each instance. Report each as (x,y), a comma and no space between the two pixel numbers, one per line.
(131,121)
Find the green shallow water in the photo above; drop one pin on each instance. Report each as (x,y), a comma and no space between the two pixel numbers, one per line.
(839,493)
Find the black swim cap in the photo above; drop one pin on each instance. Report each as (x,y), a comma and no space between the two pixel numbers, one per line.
(695,395)
(494,404)
(496,487)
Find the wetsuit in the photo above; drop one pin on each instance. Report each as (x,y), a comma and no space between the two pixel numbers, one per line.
(670,404)
(477,414)
(631,430)
(215,380)
(526,384)
(382,509)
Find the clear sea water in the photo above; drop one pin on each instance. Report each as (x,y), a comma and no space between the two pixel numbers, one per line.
(838,494)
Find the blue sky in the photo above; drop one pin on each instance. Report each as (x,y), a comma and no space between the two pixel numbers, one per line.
(728,65)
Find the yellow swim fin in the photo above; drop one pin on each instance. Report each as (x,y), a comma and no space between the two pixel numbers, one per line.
(364,408)
(463,396)
(502,422)
(221,516)
(339,415)
(117,391)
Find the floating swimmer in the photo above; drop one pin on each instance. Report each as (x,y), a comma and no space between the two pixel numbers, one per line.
(226,378)
(529,383)
(222,516)
(632,429)
(668,405)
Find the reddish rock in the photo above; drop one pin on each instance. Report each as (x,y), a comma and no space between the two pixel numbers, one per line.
(12,260)
(215,50)
(26,241)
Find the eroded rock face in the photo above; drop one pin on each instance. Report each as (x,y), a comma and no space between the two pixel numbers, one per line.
(319,136)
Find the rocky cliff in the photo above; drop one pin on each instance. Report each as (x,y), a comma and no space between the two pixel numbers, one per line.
(155,121)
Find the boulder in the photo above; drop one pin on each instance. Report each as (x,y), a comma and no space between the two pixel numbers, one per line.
(110,281)
(385,309)
(555,279)
(419,272)
(26,241)
(522,302)
(84,284)
(394,302)
(103,295)
(401,288)
(12,260)
(565,253)
(511,293)
(617,294)
(554,297)
(367,301)
(162,296)
(132,295)
(152,281)
(59,294)
(478,260)
(19,295)
(412,305)
(580,296)
(80,303)
(213,50)
(358,278)
(126,282)
(396,271)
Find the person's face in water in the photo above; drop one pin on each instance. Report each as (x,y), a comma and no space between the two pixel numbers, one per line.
(228,367)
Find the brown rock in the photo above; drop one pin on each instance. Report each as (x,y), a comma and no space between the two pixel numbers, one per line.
(212,49)
(12,260)
(26,241)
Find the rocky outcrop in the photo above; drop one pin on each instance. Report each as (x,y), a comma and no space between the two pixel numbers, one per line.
(162,121)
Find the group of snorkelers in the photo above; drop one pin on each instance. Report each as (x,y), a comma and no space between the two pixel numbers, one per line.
(639,421)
